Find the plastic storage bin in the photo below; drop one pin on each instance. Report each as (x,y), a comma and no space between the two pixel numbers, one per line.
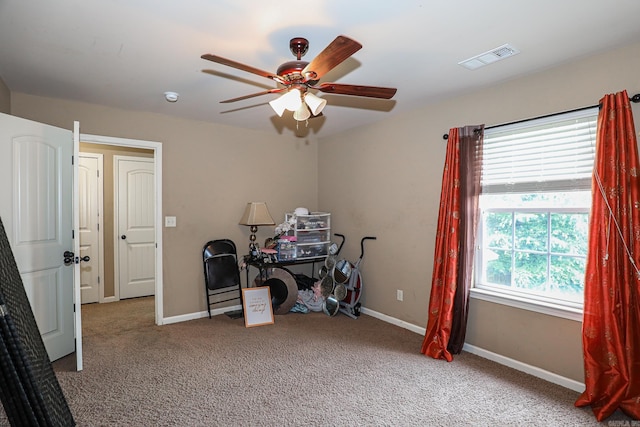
(312,234)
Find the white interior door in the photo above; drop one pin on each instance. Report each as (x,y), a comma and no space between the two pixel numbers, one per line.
(36,206)
(135,225)
(90,226)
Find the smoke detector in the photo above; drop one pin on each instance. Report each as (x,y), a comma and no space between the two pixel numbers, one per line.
(171,96)
(489,57)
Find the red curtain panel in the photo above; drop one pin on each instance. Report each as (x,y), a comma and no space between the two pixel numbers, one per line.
(455,241)
(611,320)
(445,262)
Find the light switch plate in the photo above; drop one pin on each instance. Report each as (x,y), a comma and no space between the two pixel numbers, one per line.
(169,221)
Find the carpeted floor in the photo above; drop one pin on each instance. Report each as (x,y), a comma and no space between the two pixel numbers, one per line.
(304,370)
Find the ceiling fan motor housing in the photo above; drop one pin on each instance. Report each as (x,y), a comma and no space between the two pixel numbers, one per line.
(292,70)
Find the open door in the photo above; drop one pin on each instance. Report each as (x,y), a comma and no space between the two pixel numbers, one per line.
(91,226)
(37,208)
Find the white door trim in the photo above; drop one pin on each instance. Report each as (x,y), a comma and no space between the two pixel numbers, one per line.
(77,300)
(157,149)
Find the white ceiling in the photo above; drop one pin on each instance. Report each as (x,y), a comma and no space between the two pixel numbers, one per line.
(126,54)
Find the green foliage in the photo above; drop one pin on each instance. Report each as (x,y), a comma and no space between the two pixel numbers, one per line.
(549,250)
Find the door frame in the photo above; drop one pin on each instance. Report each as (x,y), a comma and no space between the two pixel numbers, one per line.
(157,156)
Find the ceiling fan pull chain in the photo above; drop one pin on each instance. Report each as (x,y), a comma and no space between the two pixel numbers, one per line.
(306,124)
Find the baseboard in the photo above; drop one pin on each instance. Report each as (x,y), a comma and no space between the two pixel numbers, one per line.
(199,315)
(394,321)
(526,368)
(503,360)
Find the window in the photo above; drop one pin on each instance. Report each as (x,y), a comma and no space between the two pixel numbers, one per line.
(535,201)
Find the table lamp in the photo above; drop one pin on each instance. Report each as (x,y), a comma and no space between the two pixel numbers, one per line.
(255,214)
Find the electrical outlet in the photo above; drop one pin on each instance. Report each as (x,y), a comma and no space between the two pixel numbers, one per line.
(399,295)
(169,221)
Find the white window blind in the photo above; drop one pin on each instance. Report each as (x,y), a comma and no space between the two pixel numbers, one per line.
(546,154)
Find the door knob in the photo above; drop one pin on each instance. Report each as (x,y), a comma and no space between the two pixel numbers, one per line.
(85,258)
(68,257)
(124,236)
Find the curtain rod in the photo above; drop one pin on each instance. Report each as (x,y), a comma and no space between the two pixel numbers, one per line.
(635,99)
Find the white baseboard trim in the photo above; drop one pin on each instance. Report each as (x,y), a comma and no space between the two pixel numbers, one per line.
(394,321)
(526,368)
(495,357)
(199,315)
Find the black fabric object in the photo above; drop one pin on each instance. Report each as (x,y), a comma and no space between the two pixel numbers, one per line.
(29,389)
(282,288)
(278,290)
(304,282)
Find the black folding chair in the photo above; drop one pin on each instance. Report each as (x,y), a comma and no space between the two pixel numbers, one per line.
(222,274)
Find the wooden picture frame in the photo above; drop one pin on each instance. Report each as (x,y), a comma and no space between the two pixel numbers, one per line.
(256,304)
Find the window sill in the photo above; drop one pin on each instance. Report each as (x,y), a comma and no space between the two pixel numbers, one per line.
(525,304)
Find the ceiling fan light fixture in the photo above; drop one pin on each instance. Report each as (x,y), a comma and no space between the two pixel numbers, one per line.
(291,101)
(315,103)
(278,106)
(296,78)
(302,113)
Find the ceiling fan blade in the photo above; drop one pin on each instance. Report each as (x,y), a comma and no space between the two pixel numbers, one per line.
(239,66)
(345,89)
(240,98)
(332,55)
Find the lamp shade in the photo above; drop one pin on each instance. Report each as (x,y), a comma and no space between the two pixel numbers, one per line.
(292,99)
(256,213)
(315,103)
(278,106)
(289,101)
(302,113)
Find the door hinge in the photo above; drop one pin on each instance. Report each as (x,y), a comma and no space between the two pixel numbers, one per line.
(73,234)
(98,280)
(72,160)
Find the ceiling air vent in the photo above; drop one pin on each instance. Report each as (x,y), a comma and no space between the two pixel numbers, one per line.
(489,57)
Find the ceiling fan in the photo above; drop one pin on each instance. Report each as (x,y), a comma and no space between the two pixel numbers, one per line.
(297,77)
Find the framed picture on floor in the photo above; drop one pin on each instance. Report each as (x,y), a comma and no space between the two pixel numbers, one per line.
(256,304)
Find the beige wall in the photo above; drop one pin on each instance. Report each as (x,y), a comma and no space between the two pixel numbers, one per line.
(5,98)
(385,181)
(209,172)
(108,217)
(381,180)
